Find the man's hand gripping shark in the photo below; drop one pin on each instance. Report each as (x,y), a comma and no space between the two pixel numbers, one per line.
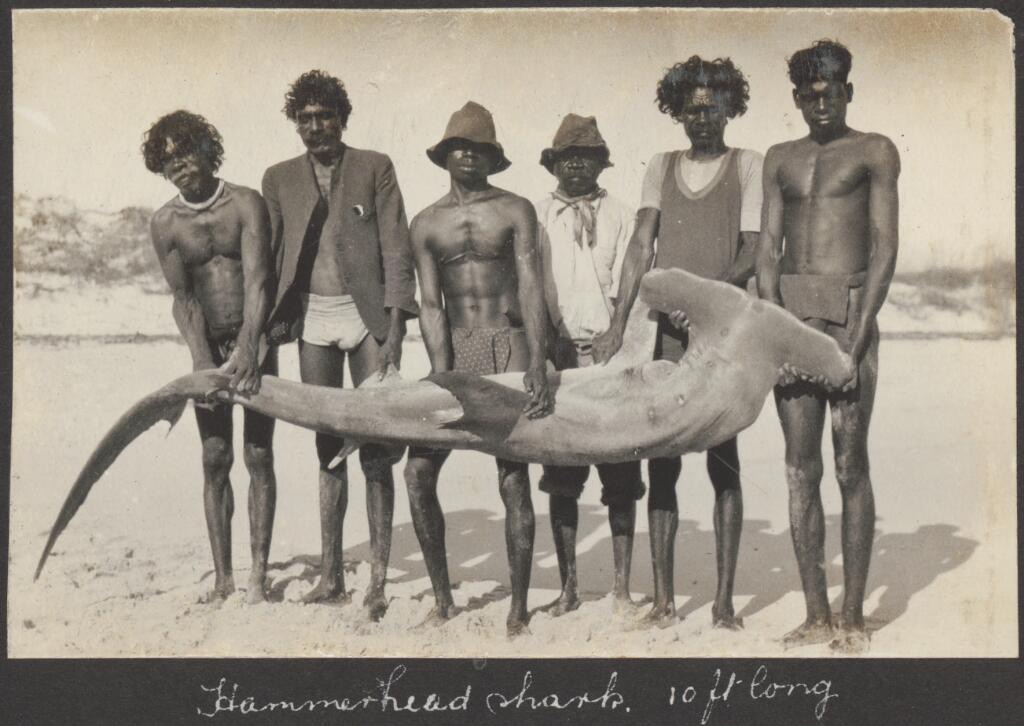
(631,408)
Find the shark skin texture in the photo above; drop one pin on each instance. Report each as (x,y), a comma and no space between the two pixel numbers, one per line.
(631,408)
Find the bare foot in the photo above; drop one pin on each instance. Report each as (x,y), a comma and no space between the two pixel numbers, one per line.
(564,603)
(327,592)
(516,625)
(725,619)
(220,592)
(809,633)
(257,590)
(374,606)
(438,615)
(850,640)
(624,605)
(659,616)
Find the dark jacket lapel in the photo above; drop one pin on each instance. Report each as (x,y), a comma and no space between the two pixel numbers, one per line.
(299,197)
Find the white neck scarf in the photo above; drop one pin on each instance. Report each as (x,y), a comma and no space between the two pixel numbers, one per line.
(584,218)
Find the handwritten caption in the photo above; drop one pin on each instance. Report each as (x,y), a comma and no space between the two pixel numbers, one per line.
(699,701)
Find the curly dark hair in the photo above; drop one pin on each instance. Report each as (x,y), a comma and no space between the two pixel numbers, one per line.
(718,75)
(321,88)
(189,132)
(826,60)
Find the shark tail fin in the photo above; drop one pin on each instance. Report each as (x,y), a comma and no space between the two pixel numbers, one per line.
(166,404)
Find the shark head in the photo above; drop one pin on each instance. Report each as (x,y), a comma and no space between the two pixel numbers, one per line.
(725,317)
(669,290)
(710,306)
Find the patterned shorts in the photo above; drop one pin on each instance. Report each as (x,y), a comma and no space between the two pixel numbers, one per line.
(483,351)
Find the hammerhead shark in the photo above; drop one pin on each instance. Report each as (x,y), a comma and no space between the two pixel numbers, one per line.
(631,408)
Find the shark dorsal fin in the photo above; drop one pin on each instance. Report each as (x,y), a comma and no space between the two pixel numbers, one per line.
(489,409)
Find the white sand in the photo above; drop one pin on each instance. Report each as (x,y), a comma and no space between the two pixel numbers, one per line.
(126,574)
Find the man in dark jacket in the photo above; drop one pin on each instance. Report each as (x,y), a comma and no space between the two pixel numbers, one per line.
(345,285)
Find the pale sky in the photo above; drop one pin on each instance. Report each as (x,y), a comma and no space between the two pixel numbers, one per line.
(87,84)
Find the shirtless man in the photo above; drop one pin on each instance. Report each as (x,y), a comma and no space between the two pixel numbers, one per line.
(481,311)
(213,242)
(827,253)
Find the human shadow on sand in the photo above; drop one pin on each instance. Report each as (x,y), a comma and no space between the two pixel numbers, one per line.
(903,563)
(475,540)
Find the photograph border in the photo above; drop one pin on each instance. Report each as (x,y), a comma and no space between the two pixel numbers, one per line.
(985,691)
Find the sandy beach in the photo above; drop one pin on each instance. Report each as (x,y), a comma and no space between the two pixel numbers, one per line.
(126,575)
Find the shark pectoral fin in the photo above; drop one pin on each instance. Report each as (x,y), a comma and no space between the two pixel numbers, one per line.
(489,409)
(389,378)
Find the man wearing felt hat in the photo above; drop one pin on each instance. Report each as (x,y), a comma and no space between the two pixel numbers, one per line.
(482,311)
(583,235)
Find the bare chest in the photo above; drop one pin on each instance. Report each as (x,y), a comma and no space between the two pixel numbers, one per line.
(472,233)
(818,173)
(204,236)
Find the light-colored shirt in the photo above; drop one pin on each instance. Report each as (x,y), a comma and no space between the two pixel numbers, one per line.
(696,175)
(581,280)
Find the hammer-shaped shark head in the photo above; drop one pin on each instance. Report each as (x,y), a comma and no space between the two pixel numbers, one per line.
(705,302)
(724,316)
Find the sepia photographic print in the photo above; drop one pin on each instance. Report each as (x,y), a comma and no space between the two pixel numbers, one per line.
(557,250)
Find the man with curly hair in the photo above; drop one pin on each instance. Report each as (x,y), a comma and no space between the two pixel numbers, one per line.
(827,254)
(703,206)
(213,243)
(346,287)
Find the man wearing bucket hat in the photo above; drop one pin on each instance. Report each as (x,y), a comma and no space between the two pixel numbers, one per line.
(481,311)
(583,235)
(703,205)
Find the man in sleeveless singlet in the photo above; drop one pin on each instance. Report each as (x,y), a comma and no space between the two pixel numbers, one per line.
(482,311)
(827,254)
(703,206)
(213,243)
